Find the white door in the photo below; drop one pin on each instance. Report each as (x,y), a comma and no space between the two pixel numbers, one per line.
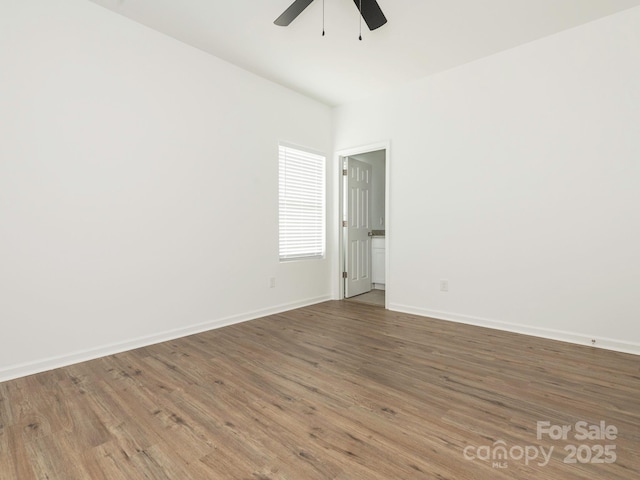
(358,229)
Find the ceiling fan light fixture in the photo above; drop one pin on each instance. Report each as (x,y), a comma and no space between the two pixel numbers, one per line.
(369,11)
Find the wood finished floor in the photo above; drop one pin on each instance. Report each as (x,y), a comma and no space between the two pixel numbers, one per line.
(339,390)
(374,297)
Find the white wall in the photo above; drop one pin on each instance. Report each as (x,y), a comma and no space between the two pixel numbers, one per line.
(138,187)
(517,179)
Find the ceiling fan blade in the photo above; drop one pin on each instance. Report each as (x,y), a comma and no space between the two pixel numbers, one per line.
(371,13)
(290,14)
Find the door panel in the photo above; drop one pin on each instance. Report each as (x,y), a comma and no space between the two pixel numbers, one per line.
(358,240)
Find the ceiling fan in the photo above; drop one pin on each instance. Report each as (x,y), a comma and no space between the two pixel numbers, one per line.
(369,9)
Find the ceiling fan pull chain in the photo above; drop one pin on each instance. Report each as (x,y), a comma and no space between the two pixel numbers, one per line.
(360,36)
(323,18)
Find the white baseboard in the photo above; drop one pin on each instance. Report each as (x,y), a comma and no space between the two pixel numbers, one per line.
(38,366)
(551,334)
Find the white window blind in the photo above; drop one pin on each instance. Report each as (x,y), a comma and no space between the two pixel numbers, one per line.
(301,204)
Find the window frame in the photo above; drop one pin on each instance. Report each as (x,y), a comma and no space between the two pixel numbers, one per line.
(301,198)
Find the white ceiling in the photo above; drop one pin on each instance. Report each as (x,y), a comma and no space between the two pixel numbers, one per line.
(421,37)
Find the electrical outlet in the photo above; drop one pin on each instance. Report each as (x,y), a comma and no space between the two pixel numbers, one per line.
(272,282)
(444,285)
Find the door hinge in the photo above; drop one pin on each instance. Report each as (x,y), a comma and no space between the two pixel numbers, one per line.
(345,172)
(344,275)
(345,223)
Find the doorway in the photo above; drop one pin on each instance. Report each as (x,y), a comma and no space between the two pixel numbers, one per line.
(364,233)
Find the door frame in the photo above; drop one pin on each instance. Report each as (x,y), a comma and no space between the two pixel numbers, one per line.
(338,241)
(359,263)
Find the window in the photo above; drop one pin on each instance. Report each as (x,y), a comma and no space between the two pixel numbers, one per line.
(301,204)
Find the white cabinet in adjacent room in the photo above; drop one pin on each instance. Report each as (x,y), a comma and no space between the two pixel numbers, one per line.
(377,262)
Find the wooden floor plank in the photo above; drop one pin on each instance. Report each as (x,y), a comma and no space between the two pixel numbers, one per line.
(339,390)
